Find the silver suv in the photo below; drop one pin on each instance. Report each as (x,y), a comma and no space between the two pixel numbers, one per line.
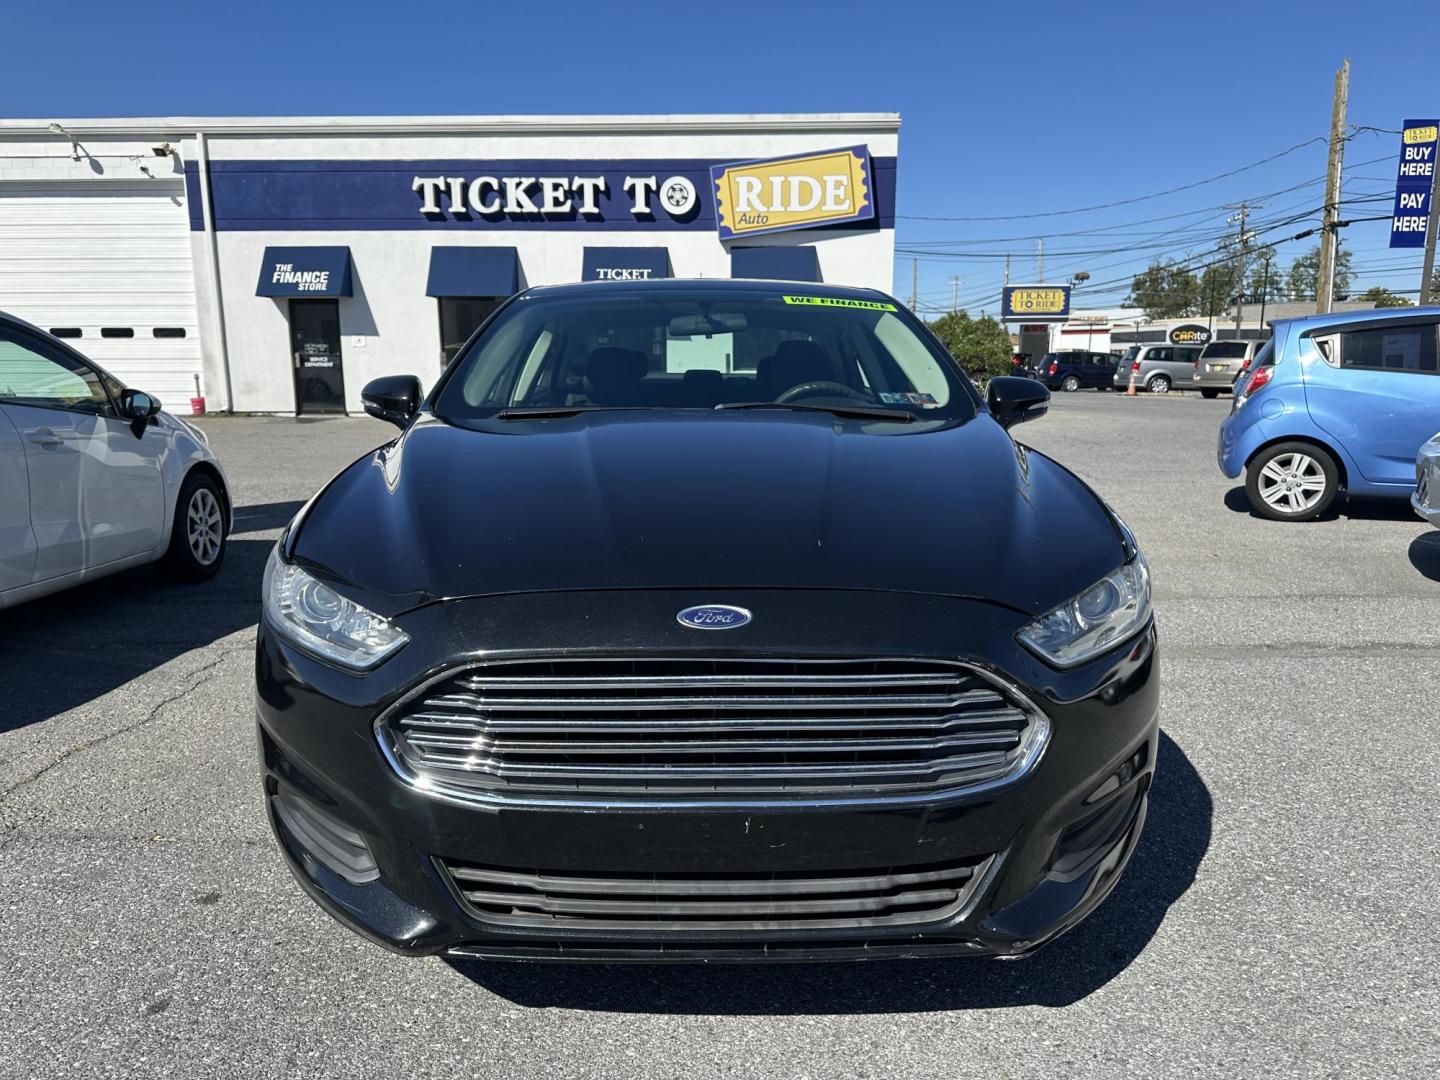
(1220,364)
(1157,368)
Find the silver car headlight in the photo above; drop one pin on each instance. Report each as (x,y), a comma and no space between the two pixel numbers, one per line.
(316,618)
(1099,618)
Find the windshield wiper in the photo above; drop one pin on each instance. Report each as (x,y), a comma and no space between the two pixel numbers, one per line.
(858,412)
(556,412)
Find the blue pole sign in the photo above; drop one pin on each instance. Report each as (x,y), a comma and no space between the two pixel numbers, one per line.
(1419,144)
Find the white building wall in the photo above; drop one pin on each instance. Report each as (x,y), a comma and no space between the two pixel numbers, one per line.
(389,325)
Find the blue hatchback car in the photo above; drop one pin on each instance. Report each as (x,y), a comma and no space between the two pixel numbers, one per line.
(1335,402)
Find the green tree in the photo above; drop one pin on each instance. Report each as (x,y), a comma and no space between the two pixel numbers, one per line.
(1265,280)
(982,346)
(1304,274)
(1383,297)
(1165,291)
(1218,286)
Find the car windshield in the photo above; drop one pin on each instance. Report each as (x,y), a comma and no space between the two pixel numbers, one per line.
(703,349)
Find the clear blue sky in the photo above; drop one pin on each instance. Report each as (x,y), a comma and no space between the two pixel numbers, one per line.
(1008,109)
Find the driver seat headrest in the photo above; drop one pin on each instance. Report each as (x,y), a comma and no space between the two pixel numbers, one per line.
(613,375)
(794,362)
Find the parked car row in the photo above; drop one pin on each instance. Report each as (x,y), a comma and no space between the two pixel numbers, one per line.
(1155,369)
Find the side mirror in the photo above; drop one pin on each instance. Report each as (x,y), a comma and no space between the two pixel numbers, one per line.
(1014,400)
(395,398)
(137,405)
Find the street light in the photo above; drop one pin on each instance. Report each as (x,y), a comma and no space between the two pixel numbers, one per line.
(56,129)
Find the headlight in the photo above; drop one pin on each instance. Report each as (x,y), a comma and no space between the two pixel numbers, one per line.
(321,621)
(1098,619)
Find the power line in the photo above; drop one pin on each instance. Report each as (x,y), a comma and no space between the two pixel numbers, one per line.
(1123,202)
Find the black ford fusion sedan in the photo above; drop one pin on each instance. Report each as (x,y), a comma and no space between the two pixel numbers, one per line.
(706,620)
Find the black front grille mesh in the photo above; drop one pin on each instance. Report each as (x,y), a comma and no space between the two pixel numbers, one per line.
(716,902)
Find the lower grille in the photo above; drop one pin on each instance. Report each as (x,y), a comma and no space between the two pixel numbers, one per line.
(711,730)
(707,902)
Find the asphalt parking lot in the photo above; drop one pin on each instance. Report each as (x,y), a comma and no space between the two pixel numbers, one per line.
(1278,917)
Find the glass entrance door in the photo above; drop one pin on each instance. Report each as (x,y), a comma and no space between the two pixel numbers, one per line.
(315,350)
(461,316)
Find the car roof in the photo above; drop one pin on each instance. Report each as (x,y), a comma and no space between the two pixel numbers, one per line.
(1344,318)
(735,286)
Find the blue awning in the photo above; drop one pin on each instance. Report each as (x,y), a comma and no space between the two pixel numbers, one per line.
(305,271)
(473,271)
(625,263)
(775,263)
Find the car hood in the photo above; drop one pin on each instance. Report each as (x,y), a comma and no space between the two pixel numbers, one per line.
(622,500)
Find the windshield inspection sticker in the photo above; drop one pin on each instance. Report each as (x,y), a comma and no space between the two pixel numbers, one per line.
(834,301)
(927,400)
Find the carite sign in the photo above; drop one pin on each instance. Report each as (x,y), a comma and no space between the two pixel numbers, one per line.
(1027,303)
(1419,144)
(779,194)
(1189,334)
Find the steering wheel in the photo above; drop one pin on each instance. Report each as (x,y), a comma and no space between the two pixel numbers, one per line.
(820,388)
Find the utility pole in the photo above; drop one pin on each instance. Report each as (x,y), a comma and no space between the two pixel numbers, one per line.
(1329,236)
(954,295)
(914,282)
(1264,295)
(1427,271)
(1040,261)
(1241,215)
(1007,269)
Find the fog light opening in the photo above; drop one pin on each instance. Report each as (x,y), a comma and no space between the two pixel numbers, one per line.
(323,838)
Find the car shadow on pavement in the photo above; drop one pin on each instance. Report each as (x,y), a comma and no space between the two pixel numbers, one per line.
(1425,554)
(1354,507)
(1176,837)
(62,651)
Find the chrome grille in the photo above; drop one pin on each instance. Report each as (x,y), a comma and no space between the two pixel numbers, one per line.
(711,729)
(742,902)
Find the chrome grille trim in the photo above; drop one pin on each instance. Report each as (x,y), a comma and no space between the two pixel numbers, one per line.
(489,733)
(756,903)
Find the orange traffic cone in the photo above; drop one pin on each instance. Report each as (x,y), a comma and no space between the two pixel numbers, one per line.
(1130,390)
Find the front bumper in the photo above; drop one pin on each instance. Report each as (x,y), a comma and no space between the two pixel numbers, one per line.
(1047,856)
(1426,499)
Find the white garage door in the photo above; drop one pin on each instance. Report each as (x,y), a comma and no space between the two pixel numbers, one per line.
(106,264)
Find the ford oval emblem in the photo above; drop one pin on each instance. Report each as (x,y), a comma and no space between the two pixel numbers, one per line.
(713,617)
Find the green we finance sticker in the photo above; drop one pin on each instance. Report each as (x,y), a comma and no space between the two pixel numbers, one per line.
(832,301)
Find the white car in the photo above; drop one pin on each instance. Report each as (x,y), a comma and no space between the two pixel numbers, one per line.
(1426,499)
(94,478)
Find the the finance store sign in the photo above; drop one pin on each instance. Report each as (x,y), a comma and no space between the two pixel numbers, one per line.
(845,188)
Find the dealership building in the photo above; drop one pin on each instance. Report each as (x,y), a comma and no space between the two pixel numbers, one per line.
(284,262)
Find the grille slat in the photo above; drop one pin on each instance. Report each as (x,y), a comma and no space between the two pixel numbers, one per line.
(715,902)
(712,727)
(707,701)
(580,725)
(662,770)
(676,748)
(776,885)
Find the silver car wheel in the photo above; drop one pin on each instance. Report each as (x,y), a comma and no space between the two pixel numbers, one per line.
(1159,385)
(1292,483)
(202,526)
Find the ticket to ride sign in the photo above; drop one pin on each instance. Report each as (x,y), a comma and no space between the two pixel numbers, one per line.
(778,194)
(1419,145)
(1035,303)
